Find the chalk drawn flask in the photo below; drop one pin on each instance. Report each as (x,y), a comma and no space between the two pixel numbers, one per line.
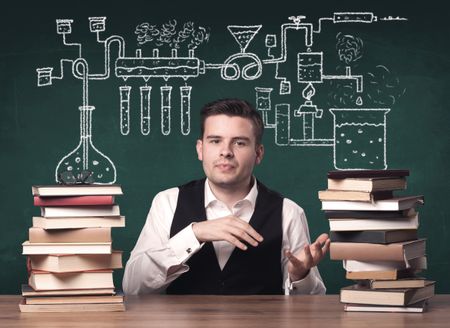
(86,156)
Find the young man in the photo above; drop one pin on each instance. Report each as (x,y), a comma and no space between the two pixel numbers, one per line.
(228,233)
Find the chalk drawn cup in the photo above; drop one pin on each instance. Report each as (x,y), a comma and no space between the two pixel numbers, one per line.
(359,138)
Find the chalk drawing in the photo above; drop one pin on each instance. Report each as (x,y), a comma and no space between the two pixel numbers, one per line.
(167,52)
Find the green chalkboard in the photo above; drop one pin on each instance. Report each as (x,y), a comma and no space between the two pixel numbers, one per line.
(340,85)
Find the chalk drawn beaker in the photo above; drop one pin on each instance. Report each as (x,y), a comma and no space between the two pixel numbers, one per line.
(86,156)
(359,138)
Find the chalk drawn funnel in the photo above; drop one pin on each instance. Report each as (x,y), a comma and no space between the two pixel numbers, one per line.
(243,34)
(359,138)
(86,156)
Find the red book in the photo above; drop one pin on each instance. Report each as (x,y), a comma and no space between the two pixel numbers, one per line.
(74,200)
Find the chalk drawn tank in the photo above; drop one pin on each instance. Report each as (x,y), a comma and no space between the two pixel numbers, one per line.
(360,138)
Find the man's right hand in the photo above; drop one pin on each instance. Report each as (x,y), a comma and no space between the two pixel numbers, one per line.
(229,228)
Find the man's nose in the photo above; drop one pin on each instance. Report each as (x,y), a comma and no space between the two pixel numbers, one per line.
(226,151)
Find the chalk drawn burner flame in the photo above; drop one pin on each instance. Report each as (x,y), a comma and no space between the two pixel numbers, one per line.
(86,156)
(308,92)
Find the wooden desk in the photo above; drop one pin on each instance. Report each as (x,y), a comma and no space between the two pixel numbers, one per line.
(228,311)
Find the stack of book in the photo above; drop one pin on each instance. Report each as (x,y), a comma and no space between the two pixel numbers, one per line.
(70,255)
(374,233)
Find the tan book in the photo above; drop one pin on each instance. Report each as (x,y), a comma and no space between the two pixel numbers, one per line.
(27,291)
(380,275)
(397,297)
(82,235)
(76,262)
(362,196)
(75,299)
(399,283)
(76,190)
(66,248)
(378,252)
(73,223)
(41,280)
(368,184)
(103,307)
(80,211)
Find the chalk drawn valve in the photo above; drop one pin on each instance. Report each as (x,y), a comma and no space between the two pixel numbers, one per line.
(231,70)
(86,156)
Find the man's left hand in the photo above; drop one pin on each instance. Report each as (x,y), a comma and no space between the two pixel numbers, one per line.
(307,258)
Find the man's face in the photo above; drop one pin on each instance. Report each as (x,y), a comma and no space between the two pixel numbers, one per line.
(228,151)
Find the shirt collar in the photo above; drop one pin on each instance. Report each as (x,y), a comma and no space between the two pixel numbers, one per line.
(251,196)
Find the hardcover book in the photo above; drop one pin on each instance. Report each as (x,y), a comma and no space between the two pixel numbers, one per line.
(411,223)
(374,236)
(66,248)
(76,190)
(377,252)
(73,200)
(343,174)
(41,280)
(81,222)
(76,262)
(393,204)
(397,297)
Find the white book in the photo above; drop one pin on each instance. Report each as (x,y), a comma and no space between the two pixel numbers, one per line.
(393,204)
(418,263)
(80,211)
(413,308)
(76,190)
(66,248)
(81,222)
(374,224)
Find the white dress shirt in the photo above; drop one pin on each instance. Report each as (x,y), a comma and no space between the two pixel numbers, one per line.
(157,259)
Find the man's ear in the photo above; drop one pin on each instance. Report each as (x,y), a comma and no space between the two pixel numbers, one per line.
(199,148)
(259,153)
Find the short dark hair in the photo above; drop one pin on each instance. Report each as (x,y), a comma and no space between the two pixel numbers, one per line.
(233,107)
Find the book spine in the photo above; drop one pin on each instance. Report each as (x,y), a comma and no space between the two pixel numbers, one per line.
(73,200)
(84,235)
(366,252)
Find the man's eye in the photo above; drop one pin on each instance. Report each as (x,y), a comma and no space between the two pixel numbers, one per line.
(214,141)
(240,143)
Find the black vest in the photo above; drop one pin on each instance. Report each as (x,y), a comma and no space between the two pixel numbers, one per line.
(254,271)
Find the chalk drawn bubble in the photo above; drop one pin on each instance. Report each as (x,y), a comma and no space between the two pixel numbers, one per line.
(361,126)
(77,159)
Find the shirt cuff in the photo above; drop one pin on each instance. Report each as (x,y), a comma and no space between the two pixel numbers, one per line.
(184,244)
(302,286)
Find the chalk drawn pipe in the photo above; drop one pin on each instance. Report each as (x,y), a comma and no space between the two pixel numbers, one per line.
(185,93)
(164,67)
(145,109)
(354,17)
(165,109)
(125,110)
